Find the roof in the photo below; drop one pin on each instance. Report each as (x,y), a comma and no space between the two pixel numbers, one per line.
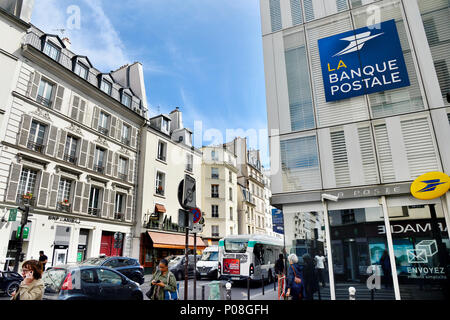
(173,241)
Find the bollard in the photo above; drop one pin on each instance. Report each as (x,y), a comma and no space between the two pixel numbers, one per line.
(262,281)
(372,294)
(228,287)
(352,293)
(248,288)
(203,292)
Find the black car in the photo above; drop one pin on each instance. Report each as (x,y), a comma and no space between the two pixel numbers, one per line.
(177,266)
(129,267)
(84,282)
(9,281)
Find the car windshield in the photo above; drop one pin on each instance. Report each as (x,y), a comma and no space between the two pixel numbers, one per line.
(175,261)
(53,279)
(236,245)
(93,261)
(210,256)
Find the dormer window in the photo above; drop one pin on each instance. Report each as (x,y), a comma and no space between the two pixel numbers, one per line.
(52,51)
(106,87)
(165,125)
(126,100)
(81,70)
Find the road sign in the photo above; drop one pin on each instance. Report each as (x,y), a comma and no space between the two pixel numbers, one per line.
(12,214)
(197,215)
(197,228)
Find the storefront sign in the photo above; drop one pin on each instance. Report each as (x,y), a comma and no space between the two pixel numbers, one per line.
(25,233)
(65,219)
(430,186)
(412,227)
(277,221)
(360,62)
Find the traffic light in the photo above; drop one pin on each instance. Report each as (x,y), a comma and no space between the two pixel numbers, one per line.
(25,214)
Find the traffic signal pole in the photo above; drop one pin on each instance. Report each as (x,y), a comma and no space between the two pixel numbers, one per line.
(186,260)
(23,223)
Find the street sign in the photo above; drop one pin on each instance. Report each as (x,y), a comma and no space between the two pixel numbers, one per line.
(26,231)
(12,214)
(197,228)
(197,215)
(277,221)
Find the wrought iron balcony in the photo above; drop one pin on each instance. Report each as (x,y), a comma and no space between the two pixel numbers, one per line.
(119,216)
(99,168)
(64,207)
(126,141)
(160,191)
(38,147)
(70,158)
(26,199)
(161,157)
(123,176)
(102,130)
(94,211)
(45,102)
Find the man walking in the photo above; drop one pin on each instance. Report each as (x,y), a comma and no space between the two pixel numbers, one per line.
(320,266)
(42,259)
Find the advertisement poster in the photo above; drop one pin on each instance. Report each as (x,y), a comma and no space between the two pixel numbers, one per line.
(231,266)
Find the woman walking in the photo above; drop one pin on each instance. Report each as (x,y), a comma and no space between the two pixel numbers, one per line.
(163,280)
(32,287)
(295,287)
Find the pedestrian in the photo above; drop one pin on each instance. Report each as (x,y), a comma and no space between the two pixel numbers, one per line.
(162,280)
(32,287)
(385,263)
(42,259)
(279,266)
(295,288)
(320,267)
(310,282)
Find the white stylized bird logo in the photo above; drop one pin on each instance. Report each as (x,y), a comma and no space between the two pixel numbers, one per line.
(357,42)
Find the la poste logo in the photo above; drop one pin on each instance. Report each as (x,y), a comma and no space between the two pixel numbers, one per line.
(363,61)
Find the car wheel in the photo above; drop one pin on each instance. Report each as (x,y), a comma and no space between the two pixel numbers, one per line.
(13,286)
(179,276)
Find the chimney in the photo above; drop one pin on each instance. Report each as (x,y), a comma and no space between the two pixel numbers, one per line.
(67,43)
(177,119)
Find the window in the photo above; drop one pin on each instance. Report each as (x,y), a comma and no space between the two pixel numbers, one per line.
(231,230)
(190,161)
(106,87)
(296,12)
(165,125)
(214,173)
(126,134)
(71,149)
(81,70)
(103,123)
(348,216)
(123,168)
(126,100)
(63,198)
(160,179)
(99,160)
(119,206)
(27,183)
(109,277)
(36,137)
(162,151)
(52,51)
(214,156)
(231,213)
(214,191)
(230,176)
(275,15)
(214,211)
(45,93)
(94,202)
(230,192)
(214,231)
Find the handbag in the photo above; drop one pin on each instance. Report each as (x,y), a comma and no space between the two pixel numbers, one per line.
(150,292)
(168,295)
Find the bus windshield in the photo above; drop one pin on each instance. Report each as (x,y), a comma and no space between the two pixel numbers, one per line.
(210,256)
(236,245)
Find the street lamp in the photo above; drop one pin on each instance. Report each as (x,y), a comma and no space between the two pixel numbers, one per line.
(329,197)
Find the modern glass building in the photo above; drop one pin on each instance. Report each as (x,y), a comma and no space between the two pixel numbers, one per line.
(365,148)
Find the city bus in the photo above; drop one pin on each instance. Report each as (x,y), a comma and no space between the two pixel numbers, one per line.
(248,256)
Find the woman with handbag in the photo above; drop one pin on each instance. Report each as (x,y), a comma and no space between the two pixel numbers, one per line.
(163,280)
(295,287)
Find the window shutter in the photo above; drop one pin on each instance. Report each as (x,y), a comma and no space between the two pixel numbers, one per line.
(109,163)
(85,200)
(119,129)
(83,153)
(112,127)
(384,154)
(309,10)
(51,141)
(129,212)
(112,204)
(420,149)
(75,107)
(61,144)
(91,156)
(105,206)
(296,12)
(54,191)
(59,98)
(82,111)
(275,15)
(33,87)
(368,156)
(95,118)
(43,189)
(130,171)
(13,185)
(24,131)
(133,137)
(115,167)
(340,159)
(78,197)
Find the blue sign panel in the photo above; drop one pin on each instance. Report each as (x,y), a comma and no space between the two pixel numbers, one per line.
(363,61)
(277,221)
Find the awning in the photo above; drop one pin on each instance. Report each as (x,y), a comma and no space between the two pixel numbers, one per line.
(160,208)
(173,241)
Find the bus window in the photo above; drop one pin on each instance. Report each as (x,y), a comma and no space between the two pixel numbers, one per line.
(259,254)
(236,245)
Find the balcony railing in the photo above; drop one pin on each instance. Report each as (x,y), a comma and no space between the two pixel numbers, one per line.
(70,158)
(159,191)
(38,147)
(64,207)
(214,176)
(123,176)
(214,234)
(99,168)
(94,211)
(104,131)
(126,141)
(214,195)
(119,216)
(45,102)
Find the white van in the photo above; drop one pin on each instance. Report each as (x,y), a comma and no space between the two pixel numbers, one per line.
(208,264)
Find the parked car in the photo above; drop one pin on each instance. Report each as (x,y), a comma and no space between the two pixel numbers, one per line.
(88,282)
(209,262)
(9,281)
(129,267)
(176,266)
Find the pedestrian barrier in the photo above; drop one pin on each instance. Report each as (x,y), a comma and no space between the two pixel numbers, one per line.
(281,287)
(217,290)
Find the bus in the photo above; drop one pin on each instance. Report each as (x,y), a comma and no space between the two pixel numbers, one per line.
(248,256)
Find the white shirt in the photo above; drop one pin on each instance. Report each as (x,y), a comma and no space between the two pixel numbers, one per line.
(320,262)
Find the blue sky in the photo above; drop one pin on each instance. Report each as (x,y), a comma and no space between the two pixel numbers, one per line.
(204,56)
